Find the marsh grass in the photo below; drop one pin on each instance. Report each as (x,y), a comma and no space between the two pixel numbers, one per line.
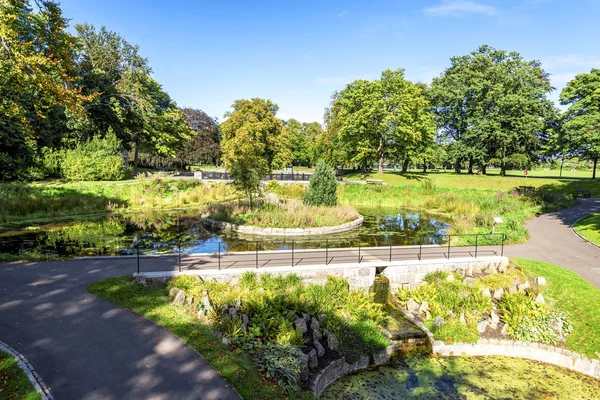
(291,214)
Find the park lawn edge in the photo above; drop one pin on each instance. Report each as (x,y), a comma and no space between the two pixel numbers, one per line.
(569,292)
(589,228)
(18,383)
(152,303)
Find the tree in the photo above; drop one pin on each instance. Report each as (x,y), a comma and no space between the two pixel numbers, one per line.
(253,144)
(37,85)
(205,145)
(494,105)
(375,117)
(323,187)
(581,128)
(303,138)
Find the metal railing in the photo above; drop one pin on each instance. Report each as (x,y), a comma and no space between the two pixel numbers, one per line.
(298,252)
(222,175)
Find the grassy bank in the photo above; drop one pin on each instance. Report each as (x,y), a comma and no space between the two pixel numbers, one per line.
(573,294)
(14,384)
(57,200)
(589,228)
(293,214)
(465,378)
(236,367)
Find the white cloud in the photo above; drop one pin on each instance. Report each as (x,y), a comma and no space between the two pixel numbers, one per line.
(343,13)
(459,8)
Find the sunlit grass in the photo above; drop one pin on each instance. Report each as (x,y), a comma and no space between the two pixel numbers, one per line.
(589,228)
(14,384)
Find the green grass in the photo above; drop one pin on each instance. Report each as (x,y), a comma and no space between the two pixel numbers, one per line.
(152,303)
(573,294)
(14,384)
(423,377)
(589,228)
(485,182)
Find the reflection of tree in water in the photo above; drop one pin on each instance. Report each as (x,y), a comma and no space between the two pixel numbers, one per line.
(88,237)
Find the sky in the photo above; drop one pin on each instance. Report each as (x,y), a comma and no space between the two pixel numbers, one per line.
(207,54)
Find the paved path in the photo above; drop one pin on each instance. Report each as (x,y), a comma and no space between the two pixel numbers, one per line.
(86,348)
(553,241)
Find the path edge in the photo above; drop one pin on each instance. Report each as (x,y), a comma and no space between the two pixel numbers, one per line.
(572,226)
(32,375)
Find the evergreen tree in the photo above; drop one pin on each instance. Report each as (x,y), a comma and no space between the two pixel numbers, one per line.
(323,187)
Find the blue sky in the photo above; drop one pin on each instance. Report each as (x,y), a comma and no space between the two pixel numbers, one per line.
(207,54)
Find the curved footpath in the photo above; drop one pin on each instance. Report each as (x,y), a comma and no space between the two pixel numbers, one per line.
(87,348)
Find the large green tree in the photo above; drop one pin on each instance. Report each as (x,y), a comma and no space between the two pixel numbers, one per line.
(494,105)
(303,138)
(581,128)
(374,118)
(253,144)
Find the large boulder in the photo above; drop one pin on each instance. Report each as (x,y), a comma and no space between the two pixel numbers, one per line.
(303,362)
(173,292)
(319,348)
(314,324)
(412,306)
(316,334)
(300,325)
(179,299)
(332,341)
(482,326)
(424,307)
(313,359)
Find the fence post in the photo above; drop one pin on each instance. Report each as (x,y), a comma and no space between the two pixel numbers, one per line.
(292,253)
(502,251)
(256,247)
(449,239)
(326,251)
(219,256)
(476,244)
(137,246)
(420,246)
(359,251)
(390,252)
(179,254)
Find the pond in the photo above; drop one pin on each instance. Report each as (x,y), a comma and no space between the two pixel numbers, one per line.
(166,232)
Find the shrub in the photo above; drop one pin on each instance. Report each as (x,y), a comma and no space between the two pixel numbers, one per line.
(454,331)
(95,160)
(323,187)
(539,328)
(51,161)
(184,282)
(280,363)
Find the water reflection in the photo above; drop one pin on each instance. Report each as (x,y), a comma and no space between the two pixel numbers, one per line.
(167,232)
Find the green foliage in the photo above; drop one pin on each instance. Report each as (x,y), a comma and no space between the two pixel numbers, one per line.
(538,328)
(358,338)
(514,307)
(15,383)
(502,281)
(95,160)
(280,363)
(454,331)
(323,187)
(436,276)
(184,282)
(589,228)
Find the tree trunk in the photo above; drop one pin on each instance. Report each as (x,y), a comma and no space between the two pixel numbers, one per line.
(595,165)
(484,169)
(424,166)
(457,166)
(405,165)
(503,168)
(380,155)
(471,165)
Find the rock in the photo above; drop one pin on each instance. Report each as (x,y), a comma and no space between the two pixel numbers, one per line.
(314,324)
(482,326)
(303,361)
(450,278)
(540,299)
(332,342)
(412,306)
(300,325)
(320,349)
(189,300)
(206,304)
(502,268)
(322,318)
(427,315)
(238,304)
(504,330)
(306,317)
(540,281)
(513,289)
(226,340)
(476,270)
(524,286)
(381,358)
(245,319)
(450,314)
(160,283)
(470,281)
(142,281)
(173,292)
(498,293)
(556,324)
(233,312)
(179,298)
(313,359)
(486,292)
(494,320)
(316,334)
(462,319)
(438,321)
(424,307)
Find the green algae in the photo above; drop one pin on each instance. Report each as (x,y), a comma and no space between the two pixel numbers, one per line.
(422,377)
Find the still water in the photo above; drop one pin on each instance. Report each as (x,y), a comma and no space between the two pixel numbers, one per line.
(167,232)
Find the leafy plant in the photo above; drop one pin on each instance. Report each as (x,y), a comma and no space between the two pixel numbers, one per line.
(323,187)
(279,362)
(184,282)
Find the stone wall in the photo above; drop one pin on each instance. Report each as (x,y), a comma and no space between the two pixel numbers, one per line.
(412,274)
(255,230)
(533,351)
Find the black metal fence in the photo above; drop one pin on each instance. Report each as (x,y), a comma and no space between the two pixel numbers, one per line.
(222,175)
(294,253)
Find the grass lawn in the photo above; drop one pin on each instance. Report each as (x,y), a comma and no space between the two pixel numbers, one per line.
(14,384)
(589,228)
(423,377)
(152,303)
(495,182)
(573,294)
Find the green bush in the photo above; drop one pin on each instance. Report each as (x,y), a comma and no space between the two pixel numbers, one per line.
(95,160)
(184,282)
(280,363)
(51,162)
(539,328)
(323,187)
